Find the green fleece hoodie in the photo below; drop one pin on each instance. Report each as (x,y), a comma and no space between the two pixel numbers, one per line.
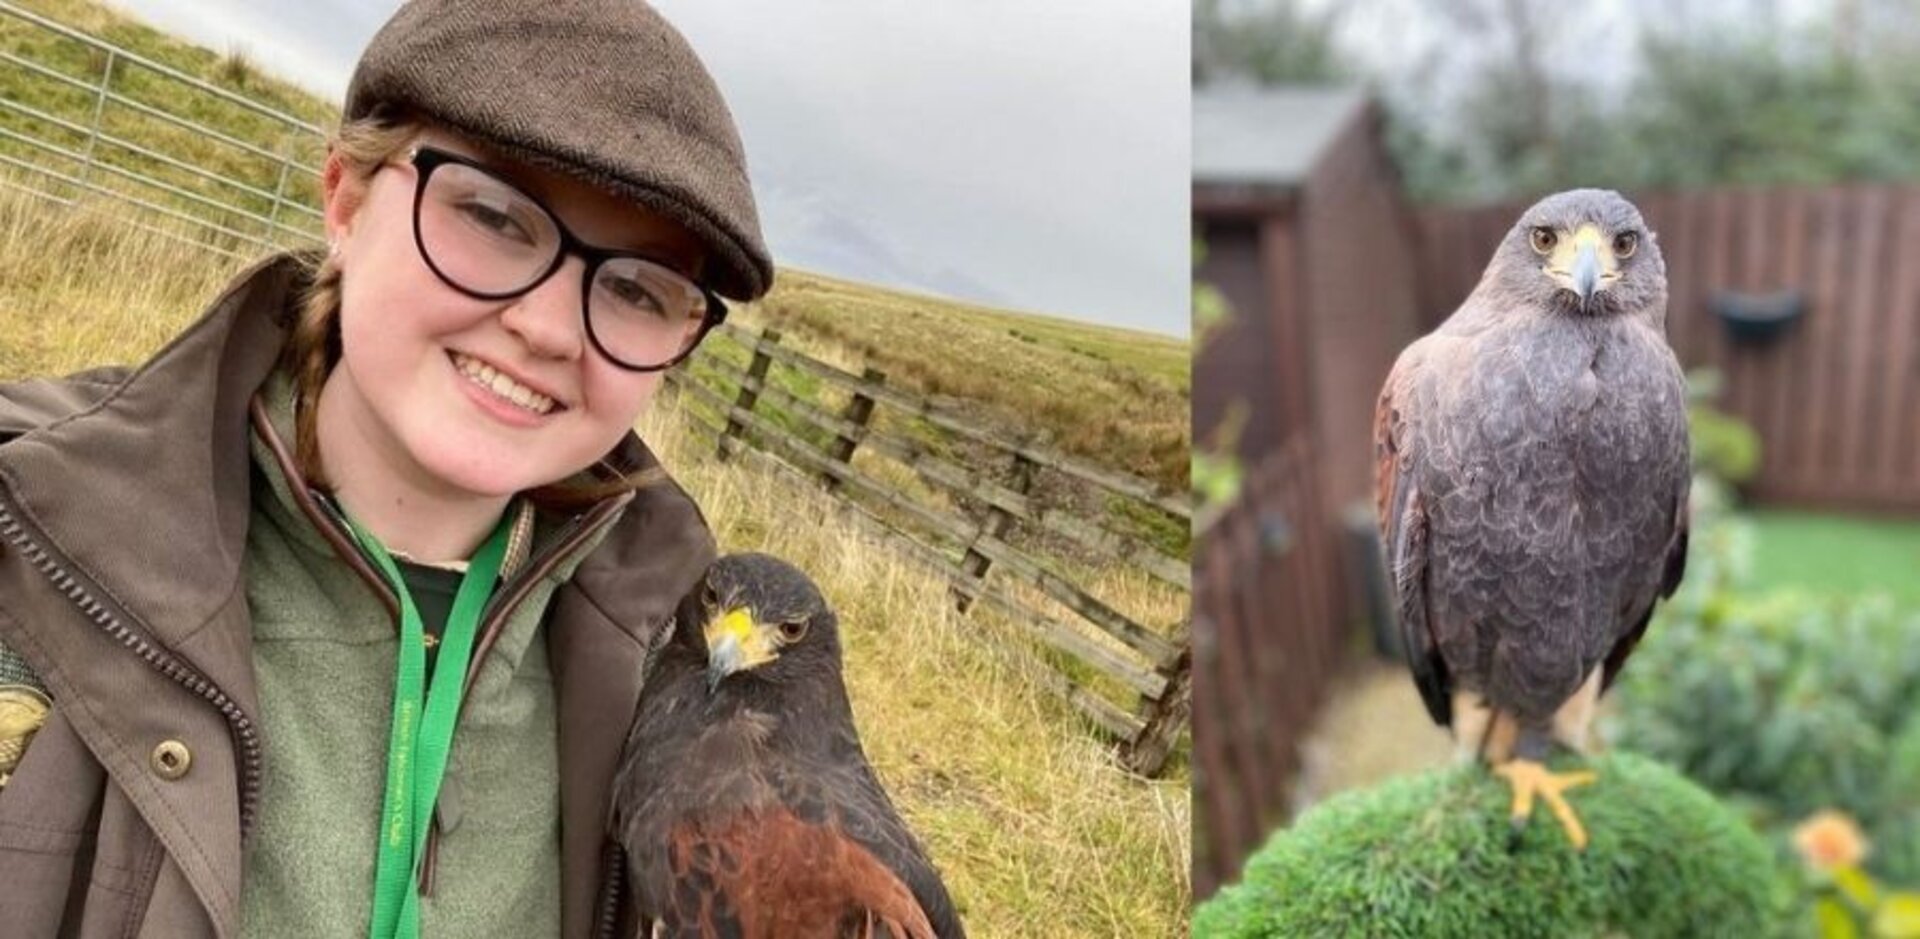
(324,651)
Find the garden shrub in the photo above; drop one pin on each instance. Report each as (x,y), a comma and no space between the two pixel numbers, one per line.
(1784,704)
(1429,855)
(1787,704)
(1725,447)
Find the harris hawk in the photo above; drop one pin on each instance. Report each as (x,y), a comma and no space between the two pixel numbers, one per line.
(746,806)
(1532,480)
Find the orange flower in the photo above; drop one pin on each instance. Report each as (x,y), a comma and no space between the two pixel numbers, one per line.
(1829,840)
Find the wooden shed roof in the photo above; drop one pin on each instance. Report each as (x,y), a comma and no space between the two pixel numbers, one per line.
(1265,137)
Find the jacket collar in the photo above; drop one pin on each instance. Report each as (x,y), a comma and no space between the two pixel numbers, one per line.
(146,489)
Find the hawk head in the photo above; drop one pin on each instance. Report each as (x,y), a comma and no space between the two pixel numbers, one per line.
(758,618)
(1584,252)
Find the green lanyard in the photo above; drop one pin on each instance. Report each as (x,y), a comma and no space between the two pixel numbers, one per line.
(421,737)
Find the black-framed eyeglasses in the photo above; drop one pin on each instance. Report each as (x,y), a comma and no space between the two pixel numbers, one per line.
(488,239)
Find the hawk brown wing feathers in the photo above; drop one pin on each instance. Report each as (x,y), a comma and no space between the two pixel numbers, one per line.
(1404,542)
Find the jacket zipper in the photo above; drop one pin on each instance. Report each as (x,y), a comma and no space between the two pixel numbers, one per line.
(613,870)
(103,615)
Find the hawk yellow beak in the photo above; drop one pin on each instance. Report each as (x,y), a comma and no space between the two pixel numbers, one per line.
(1583,263)
(735,642)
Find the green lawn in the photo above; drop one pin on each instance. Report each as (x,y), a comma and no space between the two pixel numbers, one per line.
(1838,553)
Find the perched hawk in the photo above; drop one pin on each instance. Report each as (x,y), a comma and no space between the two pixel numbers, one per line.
(748,809)
(1532,487)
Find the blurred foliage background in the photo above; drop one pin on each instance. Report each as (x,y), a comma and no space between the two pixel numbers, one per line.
(1490,99)
(1215,474)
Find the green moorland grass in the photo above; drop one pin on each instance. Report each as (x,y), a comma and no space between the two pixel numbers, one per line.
(1036,830)
(1430,856)
(1115,397)
(233,70)
(1837,554)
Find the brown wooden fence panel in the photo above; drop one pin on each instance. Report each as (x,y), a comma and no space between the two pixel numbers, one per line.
(1900,423)
(1265,640)
(1836,398)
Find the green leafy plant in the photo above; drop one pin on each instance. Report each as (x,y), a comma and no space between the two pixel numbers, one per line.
(1430,855)
(1210,311)
(1724,447)
(1788,704)
(1215,471)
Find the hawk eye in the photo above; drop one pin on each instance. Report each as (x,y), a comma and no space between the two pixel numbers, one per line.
(1544,239)
(1624,244)
(792,631)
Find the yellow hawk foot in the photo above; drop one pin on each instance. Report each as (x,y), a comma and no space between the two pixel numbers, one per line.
(1529,779)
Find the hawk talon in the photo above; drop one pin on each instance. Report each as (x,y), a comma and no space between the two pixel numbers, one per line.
(1529,779)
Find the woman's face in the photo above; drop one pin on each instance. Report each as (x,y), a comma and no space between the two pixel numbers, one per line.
(420,377)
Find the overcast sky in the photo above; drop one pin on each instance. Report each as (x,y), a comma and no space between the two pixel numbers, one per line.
(1024,154)
(1426,52)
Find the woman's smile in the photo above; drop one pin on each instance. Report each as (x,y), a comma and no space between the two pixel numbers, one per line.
(501,395)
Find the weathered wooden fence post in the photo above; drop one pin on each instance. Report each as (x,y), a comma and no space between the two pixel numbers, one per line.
(998,521)
(859,411)
(735,433)
(1146,754)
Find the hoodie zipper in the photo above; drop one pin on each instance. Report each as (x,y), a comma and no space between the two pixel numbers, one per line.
(510,596)
(107,617)
(507,598)
(332,523)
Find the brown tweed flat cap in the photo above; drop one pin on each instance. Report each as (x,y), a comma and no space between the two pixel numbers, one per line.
(606,91)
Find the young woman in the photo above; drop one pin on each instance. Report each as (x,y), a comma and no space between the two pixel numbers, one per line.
(331,618)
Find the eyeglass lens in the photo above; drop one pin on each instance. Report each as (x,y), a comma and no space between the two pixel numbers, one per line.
(488,237)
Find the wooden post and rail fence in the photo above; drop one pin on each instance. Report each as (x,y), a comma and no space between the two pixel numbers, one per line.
(974,553)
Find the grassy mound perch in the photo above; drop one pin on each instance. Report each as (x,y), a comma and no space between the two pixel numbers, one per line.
(1430,856)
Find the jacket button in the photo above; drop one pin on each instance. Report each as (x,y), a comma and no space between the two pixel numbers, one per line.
(171,759)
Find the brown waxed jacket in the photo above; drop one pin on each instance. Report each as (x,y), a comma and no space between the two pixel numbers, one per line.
(124,505)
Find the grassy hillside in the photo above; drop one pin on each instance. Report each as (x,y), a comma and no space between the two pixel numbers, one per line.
(1113,396)
(1035,829)
(252,156)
